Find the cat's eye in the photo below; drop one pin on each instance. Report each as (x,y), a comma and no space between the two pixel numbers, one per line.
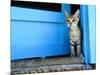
(73,20)
(67,20)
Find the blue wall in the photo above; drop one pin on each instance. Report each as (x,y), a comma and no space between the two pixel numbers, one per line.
(38,33)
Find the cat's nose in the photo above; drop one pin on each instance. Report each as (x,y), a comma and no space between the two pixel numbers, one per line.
(70,23)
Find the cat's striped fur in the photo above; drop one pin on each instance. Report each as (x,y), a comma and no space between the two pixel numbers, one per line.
(75,33)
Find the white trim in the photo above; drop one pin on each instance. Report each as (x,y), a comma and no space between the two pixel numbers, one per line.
(89,2)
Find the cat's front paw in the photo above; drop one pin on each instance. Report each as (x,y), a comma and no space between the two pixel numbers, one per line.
(72,55)
(80,55)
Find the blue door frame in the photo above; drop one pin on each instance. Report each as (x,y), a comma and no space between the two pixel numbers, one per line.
(92,33)
(85,32)
(88,24)
(38,33)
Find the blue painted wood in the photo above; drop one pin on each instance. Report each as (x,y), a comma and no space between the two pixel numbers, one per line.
(92,32)
(38,33)
(85,32)
(88,22)
(36,15)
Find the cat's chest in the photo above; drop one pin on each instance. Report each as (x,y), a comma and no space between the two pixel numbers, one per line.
(75,34)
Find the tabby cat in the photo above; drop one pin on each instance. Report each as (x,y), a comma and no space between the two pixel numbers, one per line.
(75,33)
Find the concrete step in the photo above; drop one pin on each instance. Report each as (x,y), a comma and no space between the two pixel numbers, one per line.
(46,65)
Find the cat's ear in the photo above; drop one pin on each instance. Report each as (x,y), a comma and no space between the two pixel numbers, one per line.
(77,13)
(66,14)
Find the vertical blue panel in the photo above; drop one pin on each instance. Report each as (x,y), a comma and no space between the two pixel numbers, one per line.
(88,19)
(85,32)
(38,33)
(92,32)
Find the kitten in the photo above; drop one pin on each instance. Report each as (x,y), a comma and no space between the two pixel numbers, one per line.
(75,33)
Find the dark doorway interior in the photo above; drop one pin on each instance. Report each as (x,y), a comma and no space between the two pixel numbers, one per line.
(74,8)
(37,5)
